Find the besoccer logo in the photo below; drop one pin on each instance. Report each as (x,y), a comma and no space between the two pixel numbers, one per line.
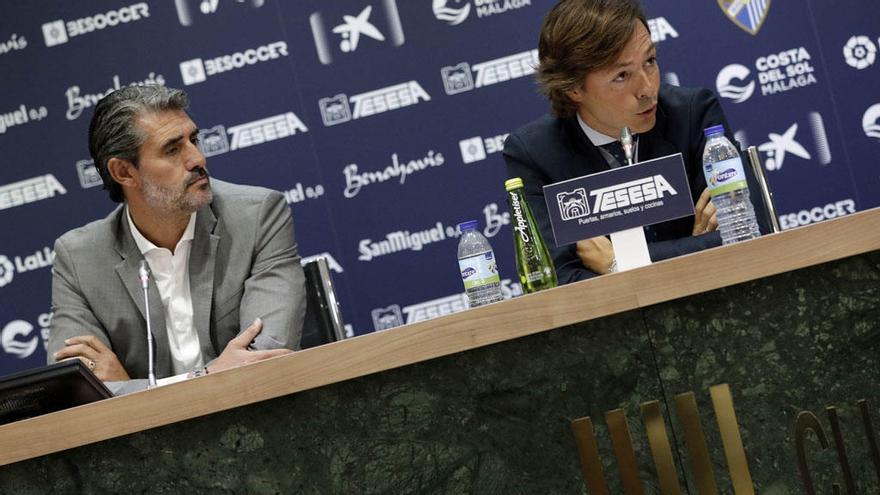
(457,78)
(573,204)
(193,71)
(7,270)
(54,33)
(335,110)
(740,92)
(385,318)
(444,12)
(860,52)
(870,121)
(472,149)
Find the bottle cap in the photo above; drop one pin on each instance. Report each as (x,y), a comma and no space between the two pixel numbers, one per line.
(514,183)
(469,225)
(715,129)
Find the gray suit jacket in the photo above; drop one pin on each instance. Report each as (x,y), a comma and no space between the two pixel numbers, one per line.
(243,265)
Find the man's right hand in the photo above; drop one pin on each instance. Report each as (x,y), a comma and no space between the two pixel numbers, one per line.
(237,354)
(597,254)
(705,215)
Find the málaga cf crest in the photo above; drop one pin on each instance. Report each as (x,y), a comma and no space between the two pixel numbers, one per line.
(747,14)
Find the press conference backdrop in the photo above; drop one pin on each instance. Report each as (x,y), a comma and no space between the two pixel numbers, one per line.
(382,121)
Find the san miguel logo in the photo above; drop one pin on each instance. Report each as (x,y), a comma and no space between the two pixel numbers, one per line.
(747,14)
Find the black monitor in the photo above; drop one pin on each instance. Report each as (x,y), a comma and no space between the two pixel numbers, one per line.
(48,389)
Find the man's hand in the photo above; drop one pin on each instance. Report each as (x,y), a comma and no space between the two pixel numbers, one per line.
(237,354)
(597,254)
(97,356)
(705,219)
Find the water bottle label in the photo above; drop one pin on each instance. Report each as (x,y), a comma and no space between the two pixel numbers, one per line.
(725,176)
(479,269)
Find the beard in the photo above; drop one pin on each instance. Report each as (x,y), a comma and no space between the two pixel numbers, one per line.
(183,199)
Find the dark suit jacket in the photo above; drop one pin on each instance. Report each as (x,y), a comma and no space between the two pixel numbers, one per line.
(552,149)
(243,264)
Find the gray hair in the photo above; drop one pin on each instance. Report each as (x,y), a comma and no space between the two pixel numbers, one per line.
(113,133)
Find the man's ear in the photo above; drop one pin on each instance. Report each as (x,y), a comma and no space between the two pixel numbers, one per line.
(122,171)
(576,95)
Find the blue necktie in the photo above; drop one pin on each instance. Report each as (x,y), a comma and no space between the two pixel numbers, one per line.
(616,150)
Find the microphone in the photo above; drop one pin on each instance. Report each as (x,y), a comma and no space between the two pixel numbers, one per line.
(144,273)
(626,140)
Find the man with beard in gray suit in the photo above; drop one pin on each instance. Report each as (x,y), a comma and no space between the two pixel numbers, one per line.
(226,287)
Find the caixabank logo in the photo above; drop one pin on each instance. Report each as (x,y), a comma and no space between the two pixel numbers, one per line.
(61,31)
(190,10)
(774,73)
(803,140)
(339,32)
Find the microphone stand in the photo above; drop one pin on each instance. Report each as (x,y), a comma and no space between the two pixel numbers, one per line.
(145,278)
(630,246)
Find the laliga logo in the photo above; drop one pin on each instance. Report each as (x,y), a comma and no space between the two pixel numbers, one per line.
(869,121)
(859,52)
(451,15)
(7,270)
(726,88)
(18,348)
(573,204)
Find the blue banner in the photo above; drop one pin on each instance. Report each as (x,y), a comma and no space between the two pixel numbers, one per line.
(382,121)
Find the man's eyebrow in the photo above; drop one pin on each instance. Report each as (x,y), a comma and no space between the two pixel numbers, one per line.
(651,49)
(172,141)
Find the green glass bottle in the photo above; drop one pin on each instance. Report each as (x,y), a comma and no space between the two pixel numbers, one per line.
(533,260)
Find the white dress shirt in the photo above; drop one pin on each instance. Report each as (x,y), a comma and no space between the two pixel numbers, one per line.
(171,274)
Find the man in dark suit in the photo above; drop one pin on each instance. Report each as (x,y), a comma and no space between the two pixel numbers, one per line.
(598,68)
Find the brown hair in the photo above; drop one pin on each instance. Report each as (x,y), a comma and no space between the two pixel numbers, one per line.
(580,36)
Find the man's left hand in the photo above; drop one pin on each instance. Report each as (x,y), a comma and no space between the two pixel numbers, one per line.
(97,356)
(705,219)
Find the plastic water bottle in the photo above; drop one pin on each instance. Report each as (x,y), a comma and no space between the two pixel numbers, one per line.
(726,179)
(476,260)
